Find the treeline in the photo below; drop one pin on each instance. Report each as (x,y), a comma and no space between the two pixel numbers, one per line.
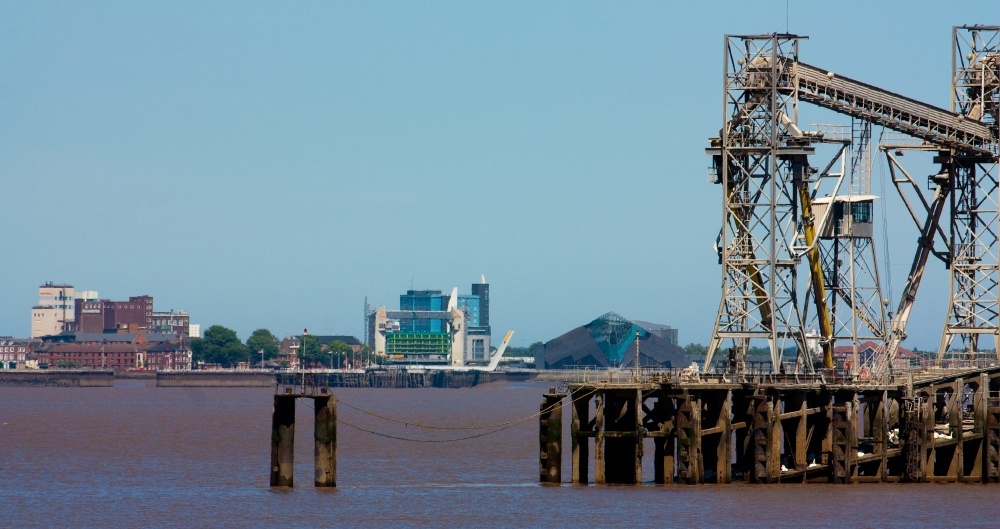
(521,351)
(220,345)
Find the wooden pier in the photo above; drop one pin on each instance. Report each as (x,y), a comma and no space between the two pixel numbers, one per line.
(944,427)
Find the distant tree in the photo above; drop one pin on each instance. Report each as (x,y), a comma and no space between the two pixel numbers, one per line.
(311,351)
(263,340)
(340,350)
(221,346)
(369,357)
(197,350)
(695,349)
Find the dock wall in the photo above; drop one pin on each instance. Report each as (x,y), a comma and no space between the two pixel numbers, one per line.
(57,378)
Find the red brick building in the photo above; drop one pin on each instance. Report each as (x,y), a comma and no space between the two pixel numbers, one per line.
(120,351)
(13,352)
(867,350)
(106,316)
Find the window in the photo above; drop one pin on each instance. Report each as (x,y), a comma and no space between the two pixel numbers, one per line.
(861,212)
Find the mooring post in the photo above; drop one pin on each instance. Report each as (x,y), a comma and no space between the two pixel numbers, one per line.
(550,438)
(282,441)
(325,435)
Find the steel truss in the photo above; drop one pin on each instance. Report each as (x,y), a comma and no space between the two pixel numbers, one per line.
(760,158)
(974,304)
(753,160)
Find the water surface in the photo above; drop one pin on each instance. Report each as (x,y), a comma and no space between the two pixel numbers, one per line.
(136,455)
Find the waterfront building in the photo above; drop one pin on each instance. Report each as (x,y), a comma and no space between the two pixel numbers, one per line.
(288,352)
(54,312)
(13,352)
(433,327)
(106,316)
(609,341)
(867,351)
(171,323)
(117,351)
(666,332)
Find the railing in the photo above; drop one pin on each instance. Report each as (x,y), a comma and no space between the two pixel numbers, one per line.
(302,383)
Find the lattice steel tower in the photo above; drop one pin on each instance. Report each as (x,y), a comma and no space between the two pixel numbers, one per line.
(758,162)
(974,305)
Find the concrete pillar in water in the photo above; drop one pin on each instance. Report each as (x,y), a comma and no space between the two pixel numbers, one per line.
(550,439)
(282,441)
(326,441)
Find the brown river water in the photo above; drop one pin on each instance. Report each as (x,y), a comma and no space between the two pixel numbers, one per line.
(139,456)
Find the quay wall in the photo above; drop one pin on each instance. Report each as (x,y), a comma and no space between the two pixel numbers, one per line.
(58,378)
(379,378)
(214,379)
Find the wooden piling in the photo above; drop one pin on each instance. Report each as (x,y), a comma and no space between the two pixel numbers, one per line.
(623,436)
(599,478)
(791,431)
(325,435)
(688,430)
(991,449)
(580,425)
(282,441)
(550,438)
(663,441)
(845,438)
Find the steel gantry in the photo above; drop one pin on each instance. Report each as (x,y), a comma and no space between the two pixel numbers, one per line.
(773,222)
(759,163)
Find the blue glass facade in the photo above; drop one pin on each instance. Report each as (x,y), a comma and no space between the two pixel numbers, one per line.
(471,304)
(422,300)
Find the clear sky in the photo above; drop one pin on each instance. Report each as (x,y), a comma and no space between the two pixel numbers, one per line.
(270,164)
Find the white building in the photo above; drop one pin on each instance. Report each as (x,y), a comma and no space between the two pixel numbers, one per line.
(55,310)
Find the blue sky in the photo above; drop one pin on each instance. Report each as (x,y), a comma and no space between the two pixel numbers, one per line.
(270,164)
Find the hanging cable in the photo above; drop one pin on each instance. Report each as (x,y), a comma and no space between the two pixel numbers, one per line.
(413,440)
(498,426)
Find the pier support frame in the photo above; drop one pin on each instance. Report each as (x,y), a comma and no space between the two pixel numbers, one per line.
(282,441)
(550,438)
(580,426)
(844,453)
(325,437)
(783,430)
(688,428)
(662,429)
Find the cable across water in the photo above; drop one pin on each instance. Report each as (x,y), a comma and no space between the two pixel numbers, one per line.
(498,427)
